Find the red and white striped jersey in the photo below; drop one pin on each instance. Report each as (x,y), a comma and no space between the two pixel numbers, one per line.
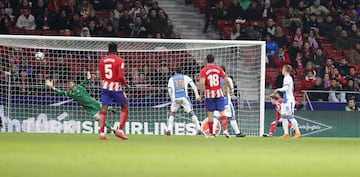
(111,69)
(212,74)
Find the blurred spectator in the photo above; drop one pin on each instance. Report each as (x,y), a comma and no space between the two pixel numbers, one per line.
(124,21)
(168,29)
(77,22)
(109,31)
(176,35)
(135,11)
(336,97)
(306,51)
(293,52)
(353,32)
(85,8)
(319,86)
(235,11)
(210,14)
(67,32)
(355,54)
(352,73)
(313,39)
(54,6)
(144,14)
(154,24)
(271,49)
(328,26)
(119,11)
(269,27)
(26,20)
(254,12)
(343,42)
(220,11)
(319,60)
(93,29)
(319,10)
(312,24)
(162,17)
(299,6)
(70,6)
(294,25)
(351,87)
(38,10)
(111,19)
(268,11)
(309,80)
(244,4)
(352,106)
(236,32)
(299,37)
(327,81)
(62,20)
(281,58)
(280,38)
(335,33)
(341,79)
(289,18)
(346,23)
(329,67)
(354,17)
(94,18)
(344,67)
(137,29)
(85,32)
(254,31)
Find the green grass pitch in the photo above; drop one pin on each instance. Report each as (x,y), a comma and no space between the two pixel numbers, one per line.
(83,155)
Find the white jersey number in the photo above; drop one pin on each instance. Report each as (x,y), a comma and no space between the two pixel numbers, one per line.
(214,80)
(108,71)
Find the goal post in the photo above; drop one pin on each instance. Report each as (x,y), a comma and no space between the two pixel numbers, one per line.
(26,105)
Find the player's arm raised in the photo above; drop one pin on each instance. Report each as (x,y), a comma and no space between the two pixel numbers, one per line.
(87,79)
(50,84)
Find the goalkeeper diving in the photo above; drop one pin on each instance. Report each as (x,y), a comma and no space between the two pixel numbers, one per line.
(80,95)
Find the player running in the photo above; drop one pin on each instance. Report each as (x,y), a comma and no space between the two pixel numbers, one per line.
(229,107)
(288,103)
(275,100)
(214,98)
(177,88)
(80,95)
(111,73)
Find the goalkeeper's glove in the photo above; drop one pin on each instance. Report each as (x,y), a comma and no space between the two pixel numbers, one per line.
(88,75)
(50,84)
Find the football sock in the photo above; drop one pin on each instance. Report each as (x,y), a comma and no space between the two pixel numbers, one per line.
(211,128)
(196,122)
(295,125)
(234,125)
(170,123)
(272,128)
(224,122)
(285,125)
(123,118)
(102,122)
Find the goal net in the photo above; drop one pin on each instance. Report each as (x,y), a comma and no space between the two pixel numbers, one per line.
(27,105)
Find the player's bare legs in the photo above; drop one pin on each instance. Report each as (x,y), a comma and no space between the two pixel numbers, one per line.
(224,123)
(123,118)
(210,122)
(170,123)
(103,112)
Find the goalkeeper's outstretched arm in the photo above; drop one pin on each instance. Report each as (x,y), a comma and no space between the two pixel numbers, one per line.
(50,84)
(87,79)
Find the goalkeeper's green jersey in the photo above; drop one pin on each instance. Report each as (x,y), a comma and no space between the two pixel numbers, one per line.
(81,96)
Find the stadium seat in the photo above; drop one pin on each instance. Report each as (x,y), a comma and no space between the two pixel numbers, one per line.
(15,31)
(270,75)
(299,96)
(221,24)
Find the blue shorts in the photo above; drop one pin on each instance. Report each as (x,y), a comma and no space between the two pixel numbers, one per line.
(108,96)
(215,104)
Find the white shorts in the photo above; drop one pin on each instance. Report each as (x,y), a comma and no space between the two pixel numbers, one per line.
(229,111)
(181,102)
(287,108)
